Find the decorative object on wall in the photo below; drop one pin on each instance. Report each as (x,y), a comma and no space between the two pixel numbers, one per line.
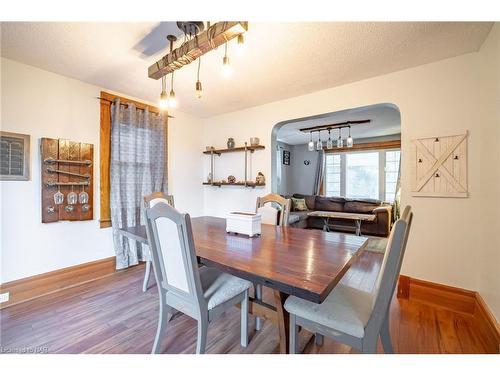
(286,157)
(218,152)
(254,141)
(231,179)
(307,162)
(230,143)
(196,42)
(440,166)
(14,156)
(260,179)
(66,166)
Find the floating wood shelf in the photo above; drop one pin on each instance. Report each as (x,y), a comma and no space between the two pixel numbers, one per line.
(251,184)
(235,149)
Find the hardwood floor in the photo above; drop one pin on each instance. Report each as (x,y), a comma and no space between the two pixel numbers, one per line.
(113,315)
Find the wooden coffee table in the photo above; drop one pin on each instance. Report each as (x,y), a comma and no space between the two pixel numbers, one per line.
(357,218)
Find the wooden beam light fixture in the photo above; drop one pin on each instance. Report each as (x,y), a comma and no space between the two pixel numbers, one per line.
(199,44)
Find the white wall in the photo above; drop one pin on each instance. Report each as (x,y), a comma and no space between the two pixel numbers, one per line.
(44,104)
(301,176)
(442,98)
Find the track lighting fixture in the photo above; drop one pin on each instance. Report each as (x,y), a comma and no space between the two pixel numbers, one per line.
(329,142)
(310,145)
(340,141)
(350,141)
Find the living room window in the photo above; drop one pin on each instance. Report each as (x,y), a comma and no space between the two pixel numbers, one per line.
(367,174)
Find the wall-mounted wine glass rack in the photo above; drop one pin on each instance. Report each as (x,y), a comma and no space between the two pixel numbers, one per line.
(66,167)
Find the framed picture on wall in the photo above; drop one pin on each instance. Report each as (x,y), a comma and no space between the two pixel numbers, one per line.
(286,157)
(14,156)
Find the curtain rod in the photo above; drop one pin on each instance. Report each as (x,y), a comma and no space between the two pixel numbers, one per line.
(126,105)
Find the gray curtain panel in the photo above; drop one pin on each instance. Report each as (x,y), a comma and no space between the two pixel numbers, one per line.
(320,170)
(138,168)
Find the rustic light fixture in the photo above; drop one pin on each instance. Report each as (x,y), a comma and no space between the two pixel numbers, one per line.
(349,141)
(340,141)
(310,145)
(163,95)
(319,144)
(199,90)
(227,70)
(197,45)
(329,142)
(240,50)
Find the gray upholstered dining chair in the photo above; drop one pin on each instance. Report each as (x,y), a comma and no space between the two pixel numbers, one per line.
(150,200)
(274,210)
(201,293)
(352,316)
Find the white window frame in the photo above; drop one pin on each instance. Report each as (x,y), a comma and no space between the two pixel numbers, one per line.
(343,169)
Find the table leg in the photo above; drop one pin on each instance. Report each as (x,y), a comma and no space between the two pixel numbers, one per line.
(283,321)
(358,227)
(326,227)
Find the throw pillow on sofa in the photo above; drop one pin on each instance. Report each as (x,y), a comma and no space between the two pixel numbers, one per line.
(299,204)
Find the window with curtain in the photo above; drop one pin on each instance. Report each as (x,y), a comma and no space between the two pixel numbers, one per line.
(363,174)
(137,169)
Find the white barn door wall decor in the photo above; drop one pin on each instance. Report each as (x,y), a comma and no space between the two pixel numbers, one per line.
(440,166)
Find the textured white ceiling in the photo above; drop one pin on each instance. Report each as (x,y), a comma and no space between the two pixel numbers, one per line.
(282,60)
(385,121)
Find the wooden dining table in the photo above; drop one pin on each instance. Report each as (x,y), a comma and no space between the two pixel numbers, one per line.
(292,261)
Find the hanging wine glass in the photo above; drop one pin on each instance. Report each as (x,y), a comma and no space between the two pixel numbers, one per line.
(83,197)
(58,197)
(72,197)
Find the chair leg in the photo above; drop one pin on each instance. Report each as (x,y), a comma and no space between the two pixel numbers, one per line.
(318,339)
(244,321)
(369,345)
(147,273)
(294,345)
(258,297)
(385,336)
(202,336)
(163,318)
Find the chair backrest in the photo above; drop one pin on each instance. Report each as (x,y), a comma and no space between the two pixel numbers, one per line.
(390,268)
(280,216)
(173,254)
(153,198)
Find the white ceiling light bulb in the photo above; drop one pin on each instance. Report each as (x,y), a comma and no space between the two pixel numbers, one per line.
(240,50)
(227,70)
(319,144)
(310,145)
(350,141)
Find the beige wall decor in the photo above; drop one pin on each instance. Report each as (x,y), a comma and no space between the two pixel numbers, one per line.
(440,166)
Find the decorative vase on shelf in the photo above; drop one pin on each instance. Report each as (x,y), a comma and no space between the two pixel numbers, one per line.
(230,143)
(260,179)
(231,179)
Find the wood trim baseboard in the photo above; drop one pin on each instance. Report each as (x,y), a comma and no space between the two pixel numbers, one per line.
(40,285)
(455,299)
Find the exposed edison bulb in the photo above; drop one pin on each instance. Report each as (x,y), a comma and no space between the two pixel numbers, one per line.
(310,146)
(163,104)
(227,69)
(350,141)
(172,101)
(240,46)
(199,90)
